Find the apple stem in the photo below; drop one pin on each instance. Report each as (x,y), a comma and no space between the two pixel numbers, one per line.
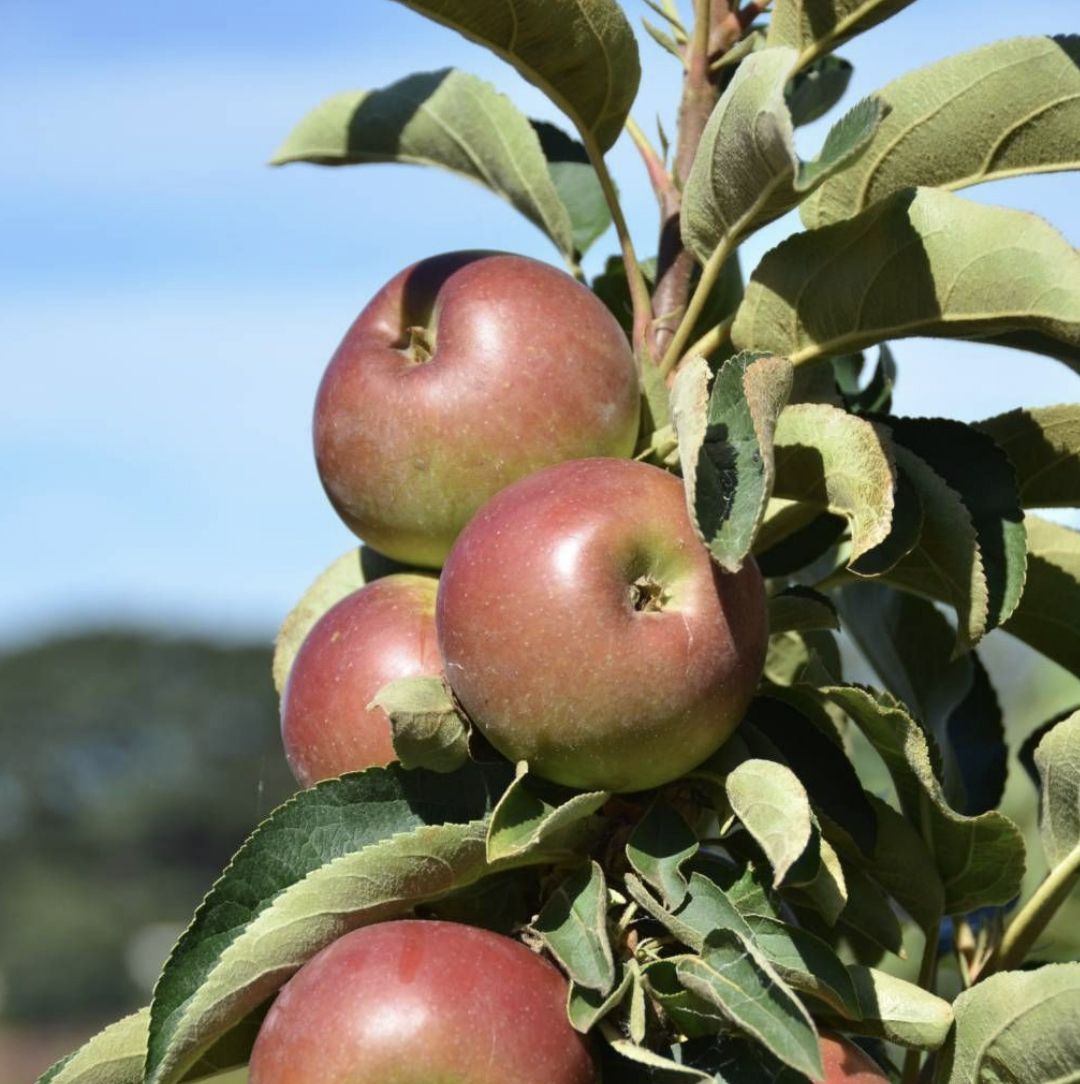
(927,980)
(701,90)
(1033,917)
(710,273)
(635,278)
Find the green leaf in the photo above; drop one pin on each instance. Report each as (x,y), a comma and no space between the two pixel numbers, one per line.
(1043,445)
(869,913)
(921,262)
(770,801)
(1048,617)
(905,530)
(806,963)
(980,859)
(347,574)
(945,563)
(576,182)
(725,422)
(580,53)
(573,926)
(909,643)
(1017,1026)
(804,737)
(444,118)
(339,855)
(827,890)
(746,172)
(658,846)
(1005,109)
(801,609)
(902,864)
(706,908)
(970,463)
(896,1011)
(816,27)
(736,978)
(537,817)
(792,654)
(1057,758)
(838,463)
(427,730)
(816,89)
(586,1008)
(115,1055)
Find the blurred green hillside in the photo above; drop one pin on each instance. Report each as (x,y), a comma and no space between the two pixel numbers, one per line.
(133,766)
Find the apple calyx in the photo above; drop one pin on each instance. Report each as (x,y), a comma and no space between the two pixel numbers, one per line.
(648,595)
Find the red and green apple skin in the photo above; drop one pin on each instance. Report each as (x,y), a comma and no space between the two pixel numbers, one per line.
(381,632)
(512,365)
(422,1002)
(585,629)
(845,1063)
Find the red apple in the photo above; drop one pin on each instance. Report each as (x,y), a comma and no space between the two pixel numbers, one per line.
(420,1002)
(466,372)
(585,629)
(845,1063)
(383,631)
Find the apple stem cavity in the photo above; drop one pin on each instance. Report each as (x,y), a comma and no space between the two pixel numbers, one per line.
(420,345)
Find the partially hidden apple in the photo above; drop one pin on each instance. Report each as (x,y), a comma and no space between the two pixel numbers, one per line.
(464,373)
(585,629)
(420,1002)
(845,1063)
(381,632)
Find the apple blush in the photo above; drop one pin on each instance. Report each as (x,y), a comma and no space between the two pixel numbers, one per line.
(381,632)
(422,1002)
(585,629)
(466,372)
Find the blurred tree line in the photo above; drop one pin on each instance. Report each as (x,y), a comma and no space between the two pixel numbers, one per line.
(133,766)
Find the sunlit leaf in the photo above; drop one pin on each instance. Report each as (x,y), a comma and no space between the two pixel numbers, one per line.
(838,463)
(746,171)
(1043,445)
(1004,109)
(1018,1025)
(580,53)
(115,1055)
(815,27)
(922,262)
(344,853)
(444,118)
(573,926)
(427,730)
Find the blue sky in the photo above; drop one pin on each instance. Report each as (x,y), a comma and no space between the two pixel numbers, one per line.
(168,302)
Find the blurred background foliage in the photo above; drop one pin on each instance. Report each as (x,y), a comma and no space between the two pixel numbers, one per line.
(134,765)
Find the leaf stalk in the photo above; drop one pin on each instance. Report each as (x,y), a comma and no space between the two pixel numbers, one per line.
(1034,916)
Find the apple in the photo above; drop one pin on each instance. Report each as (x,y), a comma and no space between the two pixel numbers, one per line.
(845,1063)
(383,631)
(585,629)
(419,1002)
(466,372)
